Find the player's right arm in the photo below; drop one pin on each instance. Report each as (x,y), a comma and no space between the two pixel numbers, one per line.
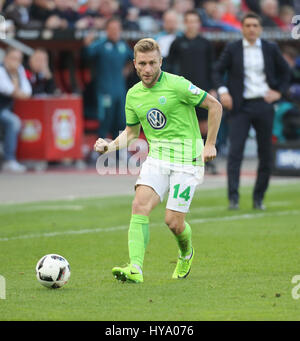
(131,132)
(122,141)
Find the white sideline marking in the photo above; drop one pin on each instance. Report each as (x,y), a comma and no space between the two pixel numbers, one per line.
(81,207)
(207,209)
(61,233)
(224,208)
(48,208)
(2,288)
(125,227)
(245,216)
(279,203)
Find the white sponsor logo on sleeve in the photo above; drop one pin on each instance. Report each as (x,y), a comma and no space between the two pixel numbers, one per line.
(194,89)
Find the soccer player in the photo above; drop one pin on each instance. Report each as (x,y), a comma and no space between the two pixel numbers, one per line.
(164,105)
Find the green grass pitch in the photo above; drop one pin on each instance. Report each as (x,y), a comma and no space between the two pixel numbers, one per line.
(243,266)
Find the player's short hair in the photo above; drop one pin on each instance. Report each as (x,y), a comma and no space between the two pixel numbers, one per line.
(253,16)
(146,45)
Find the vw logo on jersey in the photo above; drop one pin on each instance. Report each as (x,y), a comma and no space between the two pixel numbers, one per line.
(156,118)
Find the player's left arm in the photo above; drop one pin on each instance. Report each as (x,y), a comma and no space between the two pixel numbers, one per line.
(214,108)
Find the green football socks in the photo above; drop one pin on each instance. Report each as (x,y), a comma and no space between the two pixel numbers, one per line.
(184,241)
(138,238)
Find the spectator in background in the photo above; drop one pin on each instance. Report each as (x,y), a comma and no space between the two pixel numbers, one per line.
(65,15)
(19,11)
(257,76)
(142,5)
(296,4)
(286,14)
(291,3)
(130,19)
(287,114)
(13,85)
(39,74)
(181,7)
(158,8)
(211,14)
(59,14)
(166,37)
(250,6)
(90,12)
(109,8)
(1,5)
(95,13)
(291,55)
(270,13)
(109,57)
(230,14)
(50,14)
(42,10)
(272,10)
(192,57)
(142,10)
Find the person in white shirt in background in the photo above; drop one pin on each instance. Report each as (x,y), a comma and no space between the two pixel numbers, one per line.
(170,31)
(257,76)
(13,85)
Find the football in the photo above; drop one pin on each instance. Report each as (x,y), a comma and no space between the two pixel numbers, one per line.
(53,271)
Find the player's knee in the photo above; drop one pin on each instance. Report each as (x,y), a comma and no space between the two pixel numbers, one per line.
(174,224)
(140,207)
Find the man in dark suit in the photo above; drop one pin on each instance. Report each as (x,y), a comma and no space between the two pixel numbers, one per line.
(257,76)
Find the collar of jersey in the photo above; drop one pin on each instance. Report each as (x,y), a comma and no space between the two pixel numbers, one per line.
(160,76)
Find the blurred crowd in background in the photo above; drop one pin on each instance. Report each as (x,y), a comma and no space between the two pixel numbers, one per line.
(108,60)
(144,15)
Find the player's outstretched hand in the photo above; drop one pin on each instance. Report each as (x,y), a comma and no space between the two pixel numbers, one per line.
(101,146)
(209,152)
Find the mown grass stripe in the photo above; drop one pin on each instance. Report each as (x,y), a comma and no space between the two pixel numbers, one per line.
(125,227)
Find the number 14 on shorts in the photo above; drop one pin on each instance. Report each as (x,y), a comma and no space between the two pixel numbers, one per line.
(185,194)
(181,195)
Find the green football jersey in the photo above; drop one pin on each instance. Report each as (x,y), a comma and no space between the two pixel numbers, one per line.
(167,114)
